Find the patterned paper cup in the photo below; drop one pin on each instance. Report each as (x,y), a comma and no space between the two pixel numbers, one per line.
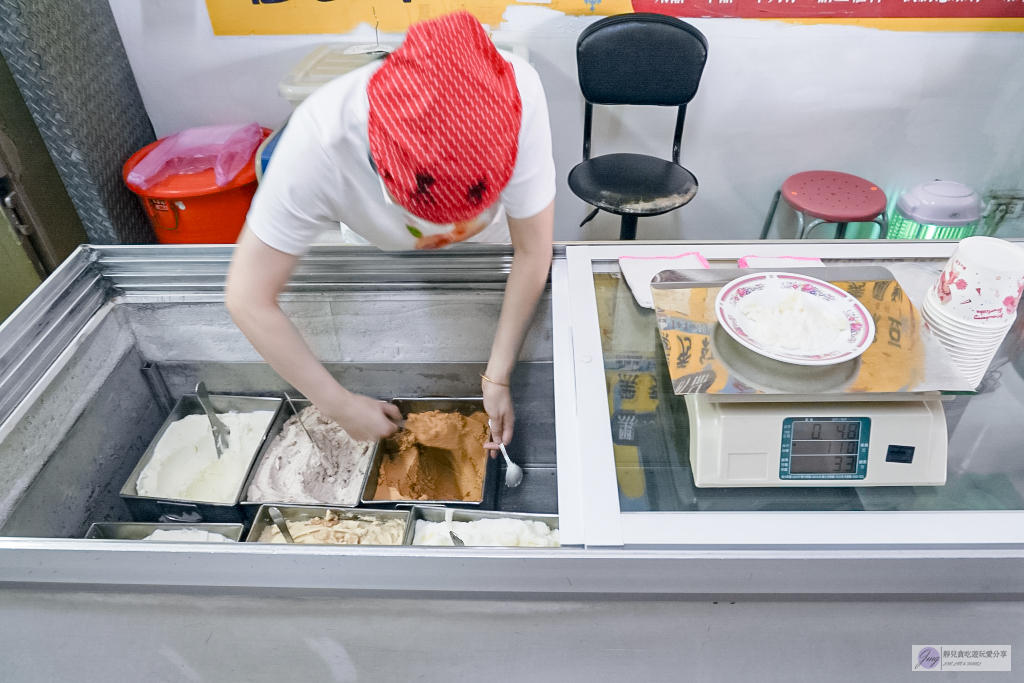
(975,351)
(974,369)
(970,358)
(935,309)
(943,322)
(982,282)
(970,369)
(968,348)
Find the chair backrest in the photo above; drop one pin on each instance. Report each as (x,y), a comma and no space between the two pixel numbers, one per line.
(642,59)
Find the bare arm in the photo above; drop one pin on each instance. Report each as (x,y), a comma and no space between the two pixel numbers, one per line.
(257,276)
(531,240)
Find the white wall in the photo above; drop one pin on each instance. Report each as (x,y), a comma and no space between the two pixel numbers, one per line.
(897,108)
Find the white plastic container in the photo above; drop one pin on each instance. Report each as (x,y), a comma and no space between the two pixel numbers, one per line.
(940,210)
(324,64)
(331,60)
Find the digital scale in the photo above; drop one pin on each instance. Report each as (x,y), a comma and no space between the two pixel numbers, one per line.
(776,440)
(874,420)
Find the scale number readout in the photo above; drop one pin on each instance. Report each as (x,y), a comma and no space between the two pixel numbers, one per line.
(824,447)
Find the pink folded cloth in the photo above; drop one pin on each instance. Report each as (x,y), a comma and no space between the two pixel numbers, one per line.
(640,270)
(779,262)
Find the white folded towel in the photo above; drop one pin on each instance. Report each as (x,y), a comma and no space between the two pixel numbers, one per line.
(640,270)
(779,262)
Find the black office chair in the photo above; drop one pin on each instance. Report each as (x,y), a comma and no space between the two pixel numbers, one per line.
(642,59)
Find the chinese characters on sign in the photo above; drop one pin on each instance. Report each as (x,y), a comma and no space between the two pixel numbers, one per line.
(852,9)
(927,658)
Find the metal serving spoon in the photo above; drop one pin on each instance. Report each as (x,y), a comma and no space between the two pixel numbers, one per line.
(513,472)
(220,430)
(282,526)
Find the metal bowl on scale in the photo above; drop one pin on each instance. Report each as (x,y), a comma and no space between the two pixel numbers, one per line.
(773,376)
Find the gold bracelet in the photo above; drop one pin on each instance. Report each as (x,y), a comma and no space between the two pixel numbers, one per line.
(488,379)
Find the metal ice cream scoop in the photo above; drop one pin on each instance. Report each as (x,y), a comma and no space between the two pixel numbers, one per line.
(455,538)
(220,430)
(513,472)
(282,526)
(298,419)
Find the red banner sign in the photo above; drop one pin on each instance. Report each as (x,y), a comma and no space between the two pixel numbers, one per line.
(836,9)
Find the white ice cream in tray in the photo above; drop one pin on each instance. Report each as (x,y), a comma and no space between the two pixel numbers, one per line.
(176,533)
(180,478)
(433,526)
(493,532)
(185,464)
(186,535)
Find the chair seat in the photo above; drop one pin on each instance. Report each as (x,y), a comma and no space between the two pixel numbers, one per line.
(632,184)
(833,196)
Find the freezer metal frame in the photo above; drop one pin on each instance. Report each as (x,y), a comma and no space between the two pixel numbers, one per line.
(981,554)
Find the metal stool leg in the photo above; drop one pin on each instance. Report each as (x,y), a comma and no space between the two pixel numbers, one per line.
(627,231)
(771,214)
(883,227)
(841,230)
(590,217)
(810,226)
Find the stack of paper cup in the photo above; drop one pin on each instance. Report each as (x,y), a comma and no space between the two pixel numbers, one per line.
(974,303)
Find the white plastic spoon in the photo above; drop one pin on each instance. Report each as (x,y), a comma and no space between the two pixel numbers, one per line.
(513,472)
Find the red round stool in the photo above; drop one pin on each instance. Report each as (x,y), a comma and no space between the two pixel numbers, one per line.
(830,197)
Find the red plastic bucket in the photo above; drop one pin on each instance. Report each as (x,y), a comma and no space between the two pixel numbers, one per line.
(191,208)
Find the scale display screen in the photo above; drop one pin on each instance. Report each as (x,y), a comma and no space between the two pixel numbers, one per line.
(824,447)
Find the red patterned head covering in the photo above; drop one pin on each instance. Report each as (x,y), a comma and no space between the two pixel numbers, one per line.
(444,120)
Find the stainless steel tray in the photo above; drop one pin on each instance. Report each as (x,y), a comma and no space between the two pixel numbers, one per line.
(464,406)
(148,509)
(301,513)
(249,507)
(136,531)
(436,514)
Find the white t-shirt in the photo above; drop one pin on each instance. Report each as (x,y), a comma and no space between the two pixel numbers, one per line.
(320,173)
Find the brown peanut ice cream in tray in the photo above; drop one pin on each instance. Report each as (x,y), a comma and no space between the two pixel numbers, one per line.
(438,456)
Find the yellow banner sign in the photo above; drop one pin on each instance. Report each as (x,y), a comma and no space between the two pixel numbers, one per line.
(291,17)
(288,17)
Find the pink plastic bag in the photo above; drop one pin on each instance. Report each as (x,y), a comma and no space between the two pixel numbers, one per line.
(225,149)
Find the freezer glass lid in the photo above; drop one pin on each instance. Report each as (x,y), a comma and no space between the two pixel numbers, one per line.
(650,423)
